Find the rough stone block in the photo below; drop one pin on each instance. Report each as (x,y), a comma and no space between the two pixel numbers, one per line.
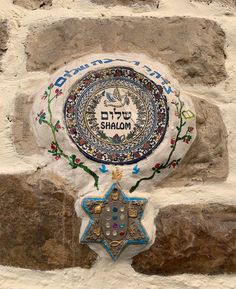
(192,239)
(221,2)
(38,224)
(127,2)
(207,159)
(192,47)
(23,138)
(3,38)
(33,4)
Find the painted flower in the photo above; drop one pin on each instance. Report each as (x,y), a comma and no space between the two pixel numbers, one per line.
(146,145)
(57,158)
(58,126)
(117,139)
(136,154)
(45,95)
(113,157)
(82,141)
(70,109)
(99,155)
(190,128)
(73,130)
(41,117)
(50,86)
(172,141)
(58,91)
(77,161)
(174,164)
(53,147)
(157,166)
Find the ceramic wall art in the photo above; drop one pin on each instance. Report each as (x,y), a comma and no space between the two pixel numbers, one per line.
(113,122)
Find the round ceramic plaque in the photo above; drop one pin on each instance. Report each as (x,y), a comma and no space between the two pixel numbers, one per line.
(116,115)
(108,118)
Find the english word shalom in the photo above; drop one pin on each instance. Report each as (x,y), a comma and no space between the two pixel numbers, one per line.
(111,120)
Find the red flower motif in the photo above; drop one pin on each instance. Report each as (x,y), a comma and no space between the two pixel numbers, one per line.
(77,161)
(82,141)
(146,145)
(187,141)
(41,112)
(58,91)
(174,164)
(172,141)
(58,126)
(190,128)
(136,154)
(50,86)
(70,109)
(113,156)
(99,155)
(53,147)
(157,166)
(57,158)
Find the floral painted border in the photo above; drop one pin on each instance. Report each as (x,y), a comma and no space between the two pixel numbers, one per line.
(186,137)
(74,162)
(55,149)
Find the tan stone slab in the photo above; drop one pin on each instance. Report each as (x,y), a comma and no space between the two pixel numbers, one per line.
(3,38)
(207,160)
(221,2)
(33,4)
(192,47)
(154,3)
(192,239)
(38,224)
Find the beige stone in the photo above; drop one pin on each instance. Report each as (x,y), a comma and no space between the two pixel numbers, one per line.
(192,47)
(207,159)
(38,225)
(127,2)
(33,4)
(221,2)
(192,239)
(23,138)
(3,38)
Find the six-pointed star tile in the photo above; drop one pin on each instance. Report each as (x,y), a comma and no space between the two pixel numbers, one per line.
(115,221)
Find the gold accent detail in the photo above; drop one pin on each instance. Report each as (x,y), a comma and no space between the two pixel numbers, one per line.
(133,213)
(132,231)
(188,114)
(115,243)
(115,195)
(117,175)
(97,231)
(98,209)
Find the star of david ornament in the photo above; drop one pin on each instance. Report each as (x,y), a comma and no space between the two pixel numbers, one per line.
(115,221)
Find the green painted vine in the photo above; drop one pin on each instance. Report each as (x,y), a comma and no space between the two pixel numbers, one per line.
(55,150)
(186,137)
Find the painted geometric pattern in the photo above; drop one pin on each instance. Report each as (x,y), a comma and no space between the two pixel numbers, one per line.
(115,221)
(116,115)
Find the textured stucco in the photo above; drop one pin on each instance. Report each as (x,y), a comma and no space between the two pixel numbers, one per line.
(16,80)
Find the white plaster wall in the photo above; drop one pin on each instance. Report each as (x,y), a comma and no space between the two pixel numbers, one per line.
(16,79)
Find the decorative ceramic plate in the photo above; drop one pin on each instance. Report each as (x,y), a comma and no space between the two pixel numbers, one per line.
(116,115)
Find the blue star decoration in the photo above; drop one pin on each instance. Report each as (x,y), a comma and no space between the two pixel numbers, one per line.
(115,221)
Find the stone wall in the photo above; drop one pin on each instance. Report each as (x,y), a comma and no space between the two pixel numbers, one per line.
(195,207)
